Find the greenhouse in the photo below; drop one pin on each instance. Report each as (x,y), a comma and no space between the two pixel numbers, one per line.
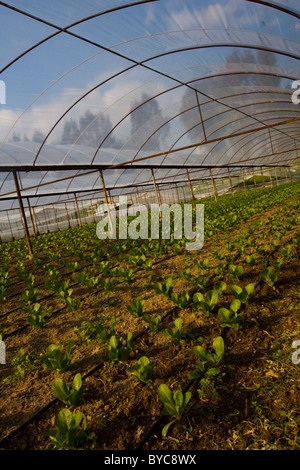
(132,342)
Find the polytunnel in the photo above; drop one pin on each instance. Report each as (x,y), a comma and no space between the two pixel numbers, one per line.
(181,98)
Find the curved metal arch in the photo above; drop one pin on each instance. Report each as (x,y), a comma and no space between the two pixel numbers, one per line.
(260,143)
(66,28)
(198,124)
(202,78)
(142,64)
(277,6)
(186,132)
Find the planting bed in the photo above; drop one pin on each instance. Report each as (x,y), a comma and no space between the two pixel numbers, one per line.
(248,400)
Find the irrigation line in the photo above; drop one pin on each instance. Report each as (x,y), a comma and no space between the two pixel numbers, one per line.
(97,367)
(82,298)
(160,420)
(158,423)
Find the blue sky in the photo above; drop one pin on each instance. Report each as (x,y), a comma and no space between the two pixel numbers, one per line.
(44,67)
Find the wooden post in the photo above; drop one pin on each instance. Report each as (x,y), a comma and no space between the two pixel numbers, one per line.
(24,221)
(106,200)
(31,218)
(191,189)
(254,180)
(67,213)
(77,209)
(244,181)
(214,186)
(262,175)
(271,179)
(232,191)
(155,188)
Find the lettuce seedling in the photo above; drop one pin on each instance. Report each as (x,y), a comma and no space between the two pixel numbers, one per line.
(164,288)
(174,404)
(235,271)
(243,294)
(211,358)
(70,432)
(117,350)
(136,308)
(180,300)
(38,316)
(230,318)
(143,370)
(153,322)
(54,359)
(269,276)
(68,395)
(208,304)
(176,335)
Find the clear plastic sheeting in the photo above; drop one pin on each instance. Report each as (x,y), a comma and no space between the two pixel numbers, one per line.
(124,88)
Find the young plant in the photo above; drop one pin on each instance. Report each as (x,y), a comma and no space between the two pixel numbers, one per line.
(180,300)
(269,276)
(66,297)
(118,349)
(143,370)
(136,308)
(211,358)
(70,396)
(55,359)
(235,271)
(202,282)
(230,318)
(164,288)
(206,305)
(202,265)
(154,323)
(176,335)
(90,331)
(70,432)
(242,294)
(38,316)
(174,404)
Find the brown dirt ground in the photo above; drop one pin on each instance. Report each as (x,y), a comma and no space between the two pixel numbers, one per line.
(253,403)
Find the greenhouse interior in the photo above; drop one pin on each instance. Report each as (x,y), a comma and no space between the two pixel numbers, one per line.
(164,103)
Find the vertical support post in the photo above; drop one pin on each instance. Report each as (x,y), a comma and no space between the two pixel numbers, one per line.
(276,176)
(262,175)
(191,189)
(254,180)
(31,218)
(67,213)
(155,188)
(271,179)
(24,221)
(106,200)
(245,189)
(77,209)
(230,180)
(35,220)
(214,186)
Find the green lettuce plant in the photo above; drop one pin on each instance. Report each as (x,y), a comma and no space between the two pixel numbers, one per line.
(68,395)
(230,318)
(154,323)
(136,308)
(70,431)
(174,404)
(55,359)
(243,294)
(118,349)
(206,305)
(143,370)
(212,357)
(176,336)
(269,276)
